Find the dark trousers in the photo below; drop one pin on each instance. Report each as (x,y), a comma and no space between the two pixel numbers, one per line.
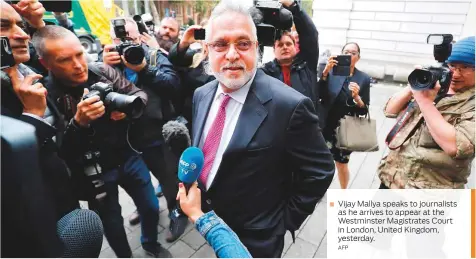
(155,158)
(134,177)
(264,247)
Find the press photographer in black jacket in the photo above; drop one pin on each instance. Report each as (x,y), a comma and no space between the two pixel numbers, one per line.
(100,135)
(155,75)
(298,70)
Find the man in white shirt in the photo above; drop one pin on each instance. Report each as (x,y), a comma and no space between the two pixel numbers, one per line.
(266,163)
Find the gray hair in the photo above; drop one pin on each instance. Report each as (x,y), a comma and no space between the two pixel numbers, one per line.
(228,6)
(128,20)
(50,32)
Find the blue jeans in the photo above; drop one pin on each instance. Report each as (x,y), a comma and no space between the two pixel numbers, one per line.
(221,238)
(134,177)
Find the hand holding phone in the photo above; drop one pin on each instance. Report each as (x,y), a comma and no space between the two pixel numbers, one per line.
(342,68)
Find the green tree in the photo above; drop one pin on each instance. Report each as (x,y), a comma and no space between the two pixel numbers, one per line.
(190,22)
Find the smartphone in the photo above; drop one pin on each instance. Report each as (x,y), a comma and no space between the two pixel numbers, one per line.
(199,34)
(7,59)
(343,65)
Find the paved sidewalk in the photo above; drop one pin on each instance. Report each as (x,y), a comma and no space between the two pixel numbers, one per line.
(311,239)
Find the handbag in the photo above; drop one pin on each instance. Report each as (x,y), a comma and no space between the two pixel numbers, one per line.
(357,133)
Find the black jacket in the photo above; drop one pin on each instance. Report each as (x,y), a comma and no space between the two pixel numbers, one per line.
(53,168)
(304,66)
(332,87)
(191,78)
(276,166)
(104,134)
(161,83)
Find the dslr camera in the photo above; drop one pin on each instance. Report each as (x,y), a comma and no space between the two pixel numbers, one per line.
(130,105)
(133,52)
(426,78)
(271,20)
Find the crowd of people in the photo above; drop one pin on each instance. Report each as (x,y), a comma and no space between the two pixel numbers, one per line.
(267,131)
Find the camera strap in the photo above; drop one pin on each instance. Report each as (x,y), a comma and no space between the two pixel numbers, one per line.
(401,122)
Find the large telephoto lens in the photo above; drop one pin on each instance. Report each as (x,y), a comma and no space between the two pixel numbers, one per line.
(128,104)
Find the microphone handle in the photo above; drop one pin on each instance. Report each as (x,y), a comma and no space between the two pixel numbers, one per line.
(178,211)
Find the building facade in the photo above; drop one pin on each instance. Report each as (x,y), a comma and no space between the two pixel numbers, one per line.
(392,33)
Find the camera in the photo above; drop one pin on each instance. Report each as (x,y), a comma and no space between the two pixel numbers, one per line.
(426,78)
(93,171)
(140,24)
(7,60)
(130,105)
(133,52)
(271,20)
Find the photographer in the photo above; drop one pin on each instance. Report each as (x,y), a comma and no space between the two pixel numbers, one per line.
(155,76)
(437,140)
(25,99)
(297,69)
(189,64)
(90,96)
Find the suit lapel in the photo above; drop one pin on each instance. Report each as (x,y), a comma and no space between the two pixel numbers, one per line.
(251,117)
(203,107)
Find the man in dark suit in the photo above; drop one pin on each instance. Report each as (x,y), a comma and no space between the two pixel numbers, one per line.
(266,163)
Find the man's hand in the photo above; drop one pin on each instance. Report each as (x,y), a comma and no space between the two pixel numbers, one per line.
(117,116)
(191,203)
(287,3)
(32,11)
(136,68)
(111,57)
(188,37)
(89,110)
(149,41)
(426,96)
(32,96)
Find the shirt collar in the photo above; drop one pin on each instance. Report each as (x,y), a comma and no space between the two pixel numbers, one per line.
(238,95)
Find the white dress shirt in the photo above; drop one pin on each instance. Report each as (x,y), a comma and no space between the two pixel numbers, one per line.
(233,110)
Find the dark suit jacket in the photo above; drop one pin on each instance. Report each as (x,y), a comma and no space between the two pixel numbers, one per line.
(276,166)
(330,89)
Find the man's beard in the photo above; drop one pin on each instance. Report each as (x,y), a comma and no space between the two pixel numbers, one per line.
(236,83)
(164,43)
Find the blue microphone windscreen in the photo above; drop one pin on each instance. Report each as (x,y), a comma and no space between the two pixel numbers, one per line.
(190,165)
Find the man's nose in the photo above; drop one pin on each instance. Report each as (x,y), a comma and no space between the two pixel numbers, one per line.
(232,54)
(20,34)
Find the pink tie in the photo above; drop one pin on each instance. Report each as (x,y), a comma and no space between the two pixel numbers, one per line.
(212,142)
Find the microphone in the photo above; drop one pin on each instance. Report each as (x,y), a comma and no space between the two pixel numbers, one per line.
(189,169)
(190,166)
(176,136)
(81,233)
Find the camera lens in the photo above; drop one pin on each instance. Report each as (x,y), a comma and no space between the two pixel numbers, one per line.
(134,54)
(421,79)
(128,104)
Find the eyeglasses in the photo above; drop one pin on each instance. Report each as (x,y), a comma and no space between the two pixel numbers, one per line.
(221,46)
(350,53)
(462,69)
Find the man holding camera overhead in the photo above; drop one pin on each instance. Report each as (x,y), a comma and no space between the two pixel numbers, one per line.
(156,76)
(297,70)
(98,104)
(432,145)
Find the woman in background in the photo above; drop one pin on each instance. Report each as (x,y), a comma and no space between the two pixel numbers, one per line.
(342,96)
